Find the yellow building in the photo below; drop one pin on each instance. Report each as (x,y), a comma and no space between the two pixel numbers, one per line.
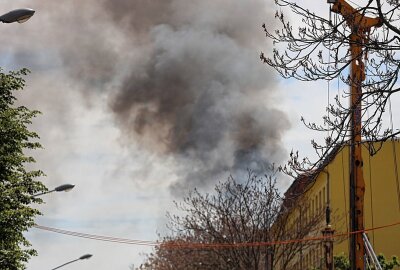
(309,195)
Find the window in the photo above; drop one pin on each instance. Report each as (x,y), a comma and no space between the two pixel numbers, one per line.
(319,201)
(307,213)
(312,208)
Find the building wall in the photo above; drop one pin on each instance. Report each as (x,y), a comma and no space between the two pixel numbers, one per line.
(381,203)
(306,218)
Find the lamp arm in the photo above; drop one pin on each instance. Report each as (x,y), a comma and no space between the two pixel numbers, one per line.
(65,264)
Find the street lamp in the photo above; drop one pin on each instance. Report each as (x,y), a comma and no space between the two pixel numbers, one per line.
(65,187)
(17,15)
(86,256)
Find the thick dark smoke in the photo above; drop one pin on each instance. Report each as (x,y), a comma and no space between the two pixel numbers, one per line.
(200,93)
(182,78)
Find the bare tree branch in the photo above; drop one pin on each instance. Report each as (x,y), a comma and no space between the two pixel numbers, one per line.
(318,50)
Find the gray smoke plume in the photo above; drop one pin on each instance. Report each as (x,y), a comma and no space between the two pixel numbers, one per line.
(200,92)
(182,78)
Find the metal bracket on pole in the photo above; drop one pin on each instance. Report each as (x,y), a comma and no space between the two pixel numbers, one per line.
(371,253)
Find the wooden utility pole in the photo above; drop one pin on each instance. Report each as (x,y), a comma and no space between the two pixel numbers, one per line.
(360,26)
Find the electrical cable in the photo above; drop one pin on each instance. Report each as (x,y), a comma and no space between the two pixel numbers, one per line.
(371,198)
(357,5)
(97,237)
(394,155)
(370,185)
(336,18)
(174,244)
(344,192)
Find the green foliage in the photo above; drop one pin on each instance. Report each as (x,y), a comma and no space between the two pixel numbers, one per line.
(388,265)
(341,262)
(17,183)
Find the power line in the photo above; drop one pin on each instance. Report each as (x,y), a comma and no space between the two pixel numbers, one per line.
(97,237)
(357,5)
(193,245)
(394,155)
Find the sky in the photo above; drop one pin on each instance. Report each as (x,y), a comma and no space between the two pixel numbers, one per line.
(142,101)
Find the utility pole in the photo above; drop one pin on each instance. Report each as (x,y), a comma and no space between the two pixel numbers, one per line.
(360,26)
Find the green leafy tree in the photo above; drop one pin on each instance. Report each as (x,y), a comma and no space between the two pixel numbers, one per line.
(17,183)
